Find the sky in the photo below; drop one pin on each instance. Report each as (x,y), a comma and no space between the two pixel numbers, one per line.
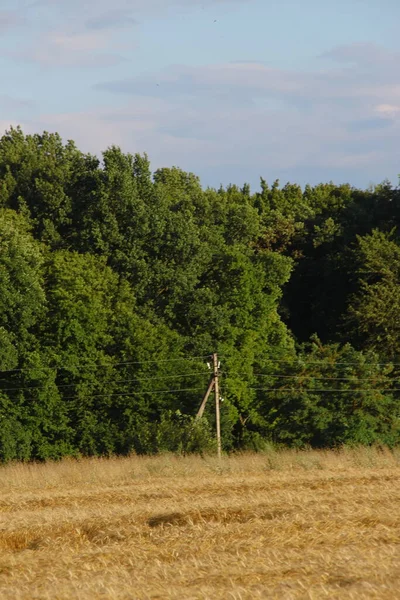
(232,90)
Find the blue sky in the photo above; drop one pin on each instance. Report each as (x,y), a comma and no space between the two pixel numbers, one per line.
(229,89)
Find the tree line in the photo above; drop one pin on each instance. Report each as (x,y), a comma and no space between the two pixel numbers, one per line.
(117,283)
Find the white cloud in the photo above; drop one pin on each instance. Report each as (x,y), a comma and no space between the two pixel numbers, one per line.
(96,11)
(390,110)
(112,19)
(249,114)
(85,33)
(254,80)
(360,53)
(139,5)
(245,116)
(82,42)
(63,49)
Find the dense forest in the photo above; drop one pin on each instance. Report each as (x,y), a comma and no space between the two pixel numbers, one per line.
(117,283)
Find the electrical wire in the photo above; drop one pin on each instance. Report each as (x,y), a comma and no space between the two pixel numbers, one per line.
(295,362)
(311,391)
(134,380)
(151,393)
(320,378)
(299,361)
(350,379)
(110,366)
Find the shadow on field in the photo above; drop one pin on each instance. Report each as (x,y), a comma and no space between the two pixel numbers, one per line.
(223,515)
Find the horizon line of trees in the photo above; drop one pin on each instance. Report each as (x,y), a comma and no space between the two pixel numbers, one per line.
(114,281)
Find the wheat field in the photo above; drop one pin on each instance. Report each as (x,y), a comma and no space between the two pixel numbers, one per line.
(273,525)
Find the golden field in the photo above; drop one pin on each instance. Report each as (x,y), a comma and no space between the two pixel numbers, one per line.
(274,525)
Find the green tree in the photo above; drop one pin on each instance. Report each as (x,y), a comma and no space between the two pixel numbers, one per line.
(35,171)
(373,315)
(333,395)
(33,421)
(22,298)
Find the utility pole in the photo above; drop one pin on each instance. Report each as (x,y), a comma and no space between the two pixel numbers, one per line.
(213,385)
(217,406)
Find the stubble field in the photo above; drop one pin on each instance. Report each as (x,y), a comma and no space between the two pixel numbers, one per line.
(276,525)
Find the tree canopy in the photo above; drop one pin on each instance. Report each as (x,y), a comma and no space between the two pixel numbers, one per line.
(117,283)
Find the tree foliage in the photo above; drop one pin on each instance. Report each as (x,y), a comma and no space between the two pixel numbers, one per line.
(116,283)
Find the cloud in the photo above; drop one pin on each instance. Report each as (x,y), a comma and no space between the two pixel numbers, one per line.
(76,42)
(227,120)
(10,19)
(250,82)
(388,110)
(70,34)
(247,113)
(133,5)
(365,63)
(94,12)
(11,103)
(86,33)
(61,49)
(111,19)
(359,125)
(362,53)
(245,84)
(232,144)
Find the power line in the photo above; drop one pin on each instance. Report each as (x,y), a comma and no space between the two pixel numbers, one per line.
(299,361)
(136,380)
(295,362)
(110,366)
(151,393)
(311,390)
(349,378)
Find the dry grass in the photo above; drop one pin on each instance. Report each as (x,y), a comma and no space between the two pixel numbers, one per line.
(277,525)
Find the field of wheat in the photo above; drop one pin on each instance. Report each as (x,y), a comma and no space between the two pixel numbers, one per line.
(274,525)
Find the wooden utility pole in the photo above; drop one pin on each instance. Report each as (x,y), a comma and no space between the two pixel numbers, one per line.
(213,385)
(217,406)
